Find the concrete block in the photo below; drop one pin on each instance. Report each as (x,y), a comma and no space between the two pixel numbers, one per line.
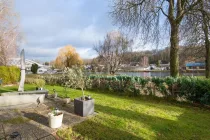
(83,107)
(15,100)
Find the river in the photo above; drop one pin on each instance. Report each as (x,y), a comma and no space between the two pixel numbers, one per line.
(158,74)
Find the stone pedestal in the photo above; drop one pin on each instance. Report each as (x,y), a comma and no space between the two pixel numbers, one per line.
(22,78)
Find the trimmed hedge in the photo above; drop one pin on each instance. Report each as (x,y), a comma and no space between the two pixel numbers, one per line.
(9,74)
(190,89)
(54,80)
(38,82)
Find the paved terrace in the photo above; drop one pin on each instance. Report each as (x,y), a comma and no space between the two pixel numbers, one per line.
(31,122)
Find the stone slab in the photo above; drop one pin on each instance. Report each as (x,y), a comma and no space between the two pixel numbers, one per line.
(25,93)
(20,100)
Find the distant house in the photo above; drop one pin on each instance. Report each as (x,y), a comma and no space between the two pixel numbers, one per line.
(165,66)
(28,64)
(194,65)
(42,70)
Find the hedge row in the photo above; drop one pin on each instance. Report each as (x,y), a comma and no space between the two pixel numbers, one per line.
(183,88)
(38,82)
(9,75)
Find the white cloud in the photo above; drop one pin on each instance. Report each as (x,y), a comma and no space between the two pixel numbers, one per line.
(38,52)
(89,35)
(50,24)
(86,53)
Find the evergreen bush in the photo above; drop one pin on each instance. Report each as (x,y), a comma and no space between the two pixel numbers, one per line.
(34,68)
(40,83)
(9,74)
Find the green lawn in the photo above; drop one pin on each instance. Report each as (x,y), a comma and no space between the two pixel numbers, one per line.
(128,118)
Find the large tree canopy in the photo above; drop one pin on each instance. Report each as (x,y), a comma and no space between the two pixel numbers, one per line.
(145,16)
(9,31)
(67,57)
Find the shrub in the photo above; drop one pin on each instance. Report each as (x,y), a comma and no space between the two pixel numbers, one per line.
(74,78)
(9,74)
(29,80)
(34,68)
(39,82)
(194,89)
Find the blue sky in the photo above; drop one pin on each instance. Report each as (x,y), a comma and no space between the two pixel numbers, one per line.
(48,25)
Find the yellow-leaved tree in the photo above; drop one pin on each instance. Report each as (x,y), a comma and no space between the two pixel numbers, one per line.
(67,57)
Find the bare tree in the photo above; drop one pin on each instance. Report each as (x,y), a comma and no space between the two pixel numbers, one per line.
(143,16)
(191,54)
(112,50)
(196,30)
(9,31)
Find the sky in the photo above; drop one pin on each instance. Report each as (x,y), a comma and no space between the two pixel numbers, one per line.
(48,25)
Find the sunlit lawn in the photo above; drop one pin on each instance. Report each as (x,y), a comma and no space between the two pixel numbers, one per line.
(128,118)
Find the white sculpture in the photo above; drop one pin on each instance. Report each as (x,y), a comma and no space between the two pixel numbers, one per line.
(22,79)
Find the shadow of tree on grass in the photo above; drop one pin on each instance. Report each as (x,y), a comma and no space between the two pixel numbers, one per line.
(187,125)
(94,130)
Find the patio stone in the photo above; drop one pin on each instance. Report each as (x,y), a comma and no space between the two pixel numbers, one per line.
(23,129)
(4,116)
(32,122)
(2,134)
(71,119)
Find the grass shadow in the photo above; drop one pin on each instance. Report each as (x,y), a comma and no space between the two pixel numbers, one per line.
(93,130)
(131,115)
(3,90)
(187,125)
(8,89)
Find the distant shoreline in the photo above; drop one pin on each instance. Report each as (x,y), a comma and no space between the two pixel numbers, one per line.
(181,71)
(143,71)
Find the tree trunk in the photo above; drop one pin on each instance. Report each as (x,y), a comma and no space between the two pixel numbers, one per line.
(207,45)
(174,50)
(108,68)
(205,27)
(112,70)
